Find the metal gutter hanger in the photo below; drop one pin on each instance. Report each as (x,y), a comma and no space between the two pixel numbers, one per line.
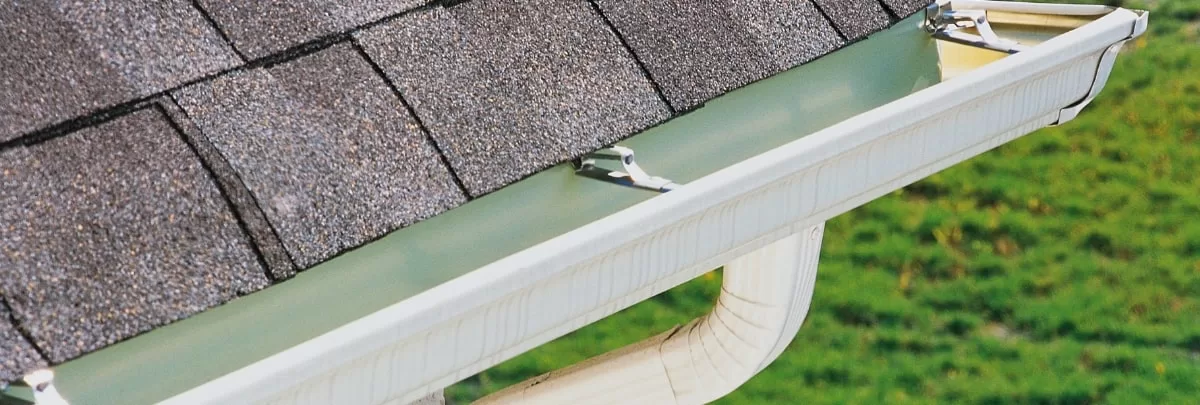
(948,24)
(632,176)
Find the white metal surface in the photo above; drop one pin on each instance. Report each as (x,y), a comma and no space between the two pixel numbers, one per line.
(632,174)
(764,299)
(1104,68)
(1036,8)
(41,382)
(424,343)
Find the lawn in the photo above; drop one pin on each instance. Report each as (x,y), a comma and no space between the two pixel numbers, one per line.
(1063,267)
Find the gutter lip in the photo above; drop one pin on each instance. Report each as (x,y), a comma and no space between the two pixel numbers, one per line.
(475,290)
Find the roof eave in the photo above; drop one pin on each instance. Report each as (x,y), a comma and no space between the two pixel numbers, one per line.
(542,292)
(423,342)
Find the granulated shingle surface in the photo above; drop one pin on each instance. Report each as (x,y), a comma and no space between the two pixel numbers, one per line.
(259,229)
(64,59)
(326,148)
(699,49)
(112,231)
(258,28)
(17,356)
(510,87)
(905,8)
(855,18)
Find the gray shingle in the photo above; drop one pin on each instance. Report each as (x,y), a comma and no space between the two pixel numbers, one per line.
(64,59)
(855,18)
(326,148)
(509,87)
(17,356)
(259,28)
(259,229)
(112,231)
(699,49)
(905,8)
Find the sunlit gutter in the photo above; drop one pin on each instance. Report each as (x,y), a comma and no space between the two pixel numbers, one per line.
(401,329)
(521,301)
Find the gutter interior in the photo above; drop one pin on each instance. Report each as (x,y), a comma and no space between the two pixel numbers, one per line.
(746,122)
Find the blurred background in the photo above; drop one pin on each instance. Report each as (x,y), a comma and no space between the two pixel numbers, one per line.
(1063,267)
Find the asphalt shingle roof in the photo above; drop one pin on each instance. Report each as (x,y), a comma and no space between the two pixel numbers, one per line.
(259,28)
(258,228)
(905,8)
(855,19)
(159,158)
(61,60)
(326,148)
(112,231)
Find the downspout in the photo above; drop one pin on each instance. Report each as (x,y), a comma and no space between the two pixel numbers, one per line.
(764,298)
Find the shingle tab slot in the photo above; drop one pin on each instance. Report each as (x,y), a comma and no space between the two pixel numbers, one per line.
(17,355)
(905,8)
(260,28)
(699,49)
(855,18)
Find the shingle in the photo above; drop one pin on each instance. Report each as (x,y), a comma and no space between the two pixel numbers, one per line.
(326,148)
(17,356)
(905,8)
(260,231)
(699,49)
(259,28)
(855,18)
(114,230)
(509,87)
(64,59)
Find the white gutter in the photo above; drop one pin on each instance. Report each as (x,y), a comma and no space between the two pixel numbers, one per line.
(422,344)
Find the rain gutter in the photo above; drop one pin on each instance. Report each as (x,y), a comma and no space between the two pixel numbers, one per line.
(765,294)
(451,296)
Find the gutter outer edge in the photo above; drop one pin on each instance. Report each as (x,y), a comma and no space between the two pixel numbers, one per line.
(424,343)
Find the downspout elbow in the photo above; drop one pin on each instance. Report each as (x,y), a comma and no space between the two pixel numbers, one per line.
(764,299)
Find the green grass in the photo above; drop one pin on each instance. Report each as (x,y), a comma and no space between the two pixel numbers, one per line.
(1063,267)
